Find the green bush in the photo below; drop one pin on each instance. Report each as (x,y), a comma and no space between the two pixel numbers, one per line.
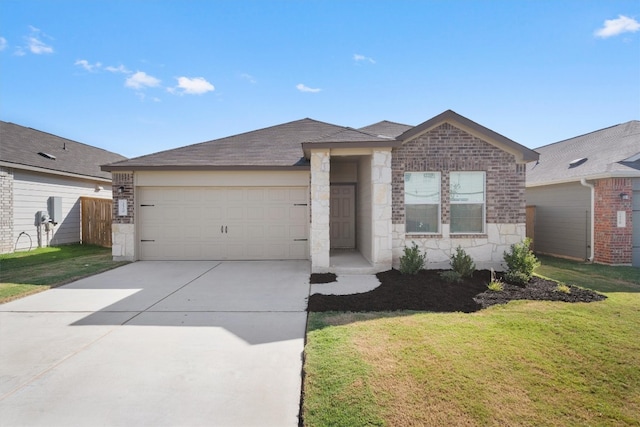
(516,278)
(462,263)
(451,276)
(563,288)
(520,263)
(412,261)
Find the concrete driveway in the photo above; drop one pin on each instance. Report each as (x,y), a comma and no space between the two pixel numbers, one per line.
(158,344)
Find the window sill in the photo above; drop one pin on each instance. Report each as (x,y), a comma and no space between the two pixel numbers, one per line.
(468,235)
(422,236)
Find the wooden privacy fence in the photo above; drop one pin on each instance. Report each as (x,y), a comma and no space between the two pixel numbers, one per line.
(531,225)
(95,216)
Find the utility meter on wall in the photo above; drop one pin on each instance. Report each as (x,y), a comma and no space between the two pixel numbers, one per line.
(44,217)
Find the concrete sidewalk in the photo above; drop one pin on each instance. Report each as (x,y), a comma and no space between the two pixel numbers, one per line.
(158,343)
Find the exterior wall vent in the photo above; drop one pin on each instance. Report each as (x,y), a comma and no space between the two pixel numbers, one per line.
(577,162)
(47,155)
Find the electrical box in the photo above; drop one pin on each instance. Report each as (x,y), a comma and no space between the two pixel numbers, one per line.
(42,217)
(55,209)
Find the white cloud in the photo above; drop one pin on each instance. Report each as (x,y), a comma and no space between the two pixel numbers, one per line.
(192,86)
(3,43)
(303,88)
(119,69)
(359,58)
(35,44)
(614,27)
(87,66)
(141,80)
(248,77)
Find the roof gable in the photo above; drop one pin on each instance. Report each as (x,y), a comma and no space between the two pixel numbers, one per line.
(609,152)
(522,153)
(20,147)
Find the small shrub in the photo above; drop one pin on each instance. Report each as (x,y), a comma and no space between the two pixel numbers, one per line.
(462,263)
(563,288)
(451,276)
(521,262)
(516,278)
(412,261)
(495,284)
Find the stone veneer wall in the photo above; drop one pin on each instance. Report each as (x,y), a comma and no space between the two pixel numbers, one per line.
(320,197)
(123,227)
(445,149)
(613,244)
(6,212)
(382,239)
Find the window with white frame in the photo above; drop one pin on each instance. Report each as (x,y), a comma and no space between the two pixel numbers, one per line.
(422,202)
(467,202)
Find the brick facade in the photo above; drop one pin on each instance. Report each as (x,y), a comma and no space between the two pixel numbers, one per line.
(124,180)
(447,148)
(613,244)
(6,212)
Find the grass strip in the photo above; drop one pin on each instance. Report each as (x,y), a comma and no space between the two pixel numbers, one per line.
(25,273)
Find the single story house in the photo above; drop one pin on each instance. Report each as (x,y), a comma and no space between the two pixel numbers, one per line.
(43,174)
(586,193)
(313,190)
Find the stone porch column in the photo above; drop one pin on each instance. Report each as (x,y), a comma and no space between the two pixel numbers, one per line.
(382,256)
(320,195)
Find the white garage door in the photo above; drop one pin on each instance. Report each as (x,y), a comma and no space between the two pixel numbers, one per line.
(218,223)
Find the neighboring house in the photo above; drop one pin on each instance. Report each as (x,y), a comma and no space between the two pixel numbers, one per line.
(312,190)
(586,193)
(40,172)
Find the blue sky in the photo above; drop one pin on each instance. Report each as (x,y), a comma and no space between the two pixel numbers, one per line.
(137,77)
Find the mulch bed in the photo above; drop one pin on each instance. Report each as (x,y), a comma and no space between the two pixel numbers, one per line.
(426,291)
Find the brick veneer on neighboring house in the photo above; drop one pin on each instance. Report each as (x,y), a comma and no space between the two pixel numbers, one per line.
(6,214)
(123,179)
(613,243)
(447,148)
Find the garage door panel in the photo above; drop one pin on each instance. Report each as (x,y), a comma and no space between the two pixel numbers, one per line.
(297,231)
(223,223)
(298,195)
(213,250)
(298,213)
(255,213)
(255,195)
(235,213)
(276,231)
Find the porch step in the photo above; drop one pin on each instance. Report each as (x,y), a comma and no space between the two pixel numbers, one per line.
(349,262)
(352,270)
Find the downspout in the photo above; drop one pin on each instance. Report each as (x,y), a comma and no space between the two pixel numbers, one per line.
(584,182)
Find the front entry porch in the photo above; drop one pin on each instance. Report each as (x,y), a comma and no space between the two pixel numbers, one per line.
(350,210)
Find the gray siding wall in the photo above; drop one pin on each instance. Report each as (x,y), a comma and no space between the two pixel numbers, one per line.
(562,219)
(31,192)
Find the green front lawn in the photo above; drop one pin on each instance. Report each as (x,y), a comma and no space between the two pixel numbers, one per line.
(24,273)
(524,363)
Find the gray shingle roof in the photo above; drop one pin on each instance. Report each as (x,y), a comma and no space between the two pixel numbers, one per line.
(605,151)
(273,147)
(350,135)
(386,128)
(19,147)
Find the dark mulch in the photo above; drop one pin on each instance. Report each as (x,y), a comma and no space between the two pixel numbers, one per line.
(322,278)
(426,291)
